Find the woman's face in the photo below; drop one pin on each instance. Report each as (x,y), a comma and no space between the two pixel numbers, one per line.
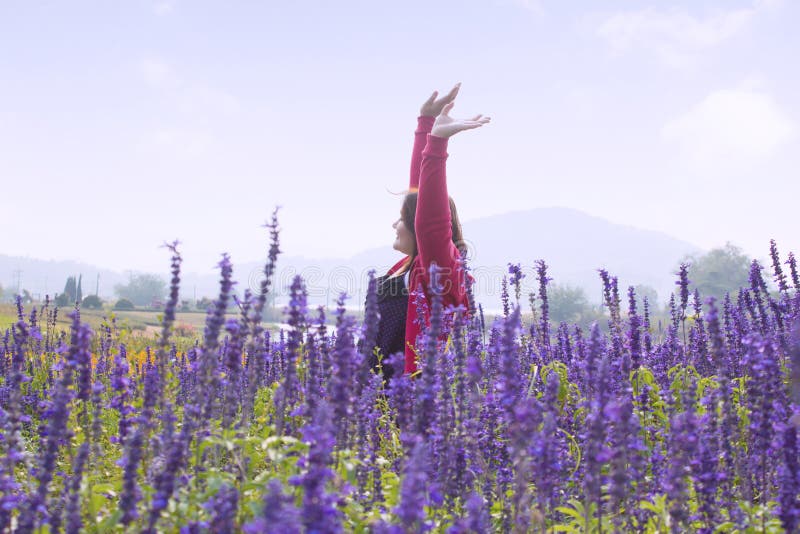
(404,241)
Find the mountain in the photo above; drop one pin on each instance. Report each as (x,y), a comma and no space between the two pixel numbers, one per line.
(573,244)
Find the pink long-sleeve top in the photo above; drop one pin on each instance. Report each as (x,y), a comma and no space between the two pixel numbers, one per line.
(434,234)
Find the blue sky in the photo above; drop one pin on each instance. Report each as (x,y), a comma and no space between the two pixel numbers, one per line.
(126,124)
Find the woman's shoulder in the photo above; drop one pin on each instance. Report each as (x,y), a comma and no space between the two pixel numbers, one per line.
(394,268)
(454,276)
(455,263)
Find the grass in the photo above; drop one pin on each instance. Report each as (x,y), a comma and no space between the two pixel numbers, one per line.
(146,322)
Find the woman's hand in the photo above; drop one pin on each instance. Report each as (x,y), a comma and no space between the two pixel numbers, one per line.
(446,126)
(433,106)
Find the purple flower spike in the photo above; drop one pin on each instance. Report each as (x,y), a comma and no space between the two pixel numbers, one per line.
(504,296)
(280,516)
(121,384)
(207,374)
(792,263)
(475,520)
(341,388)
(515,271)
(681,447)
(237,330)
(759,293)
(319,512)
(766,403)
(427,386)
(634,332)
(255,346)
(57,431)
(788,480)
(131,494)
(780,278)
(683,288)
(794,363)
(544,321)
(223,506)
(596,451)
(413,492)
(162,353)
(509,383)
(369,337)
(74,519)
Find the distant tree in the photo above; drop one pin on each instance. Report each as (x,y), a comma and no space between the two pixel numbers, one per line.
(643,291)
(92,302)
(719,271)
(204,303)
(70,291)
(27,298)
(124,304)
(79,291)
(142,289)
(567,303)
(1,293)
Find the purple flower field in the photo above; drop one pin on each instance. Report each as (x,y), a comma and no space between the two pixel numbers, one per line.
(516,426)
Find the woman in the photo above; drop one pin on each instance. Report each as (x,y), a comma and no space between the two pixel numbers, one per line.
(428,231)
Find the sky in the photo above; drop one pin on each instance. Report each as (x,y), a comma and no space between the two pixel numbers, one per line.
(127,124)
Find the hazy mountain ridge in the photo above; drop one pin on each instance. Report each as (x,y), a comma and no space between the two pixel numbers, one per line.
(574,245)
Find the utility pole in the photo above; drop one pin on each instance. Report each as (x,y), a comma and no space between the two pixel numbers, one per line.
(97,286)
(18,276)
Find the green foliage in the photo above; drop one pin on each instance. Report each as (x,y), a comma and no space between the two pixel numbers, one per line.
(203,304)
(566,389)
(142,289)
(248,457)
(719,271)
(568,303)
(579,519)
(655,409)
(124,304)
(650,293)
(760,518)
(70,289)
(26,297)
(92,302)
(69,296)
(660,520)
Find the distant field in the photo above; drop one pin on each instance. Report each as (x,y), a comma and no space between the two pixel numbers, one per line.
(147,322)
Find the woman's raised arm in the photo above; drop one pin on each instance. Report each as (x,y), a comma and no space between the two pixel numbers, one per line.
(428,112)
(432,224)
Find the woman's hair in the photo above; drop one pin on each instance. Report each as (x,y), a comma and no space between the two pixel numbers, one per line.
(408,213)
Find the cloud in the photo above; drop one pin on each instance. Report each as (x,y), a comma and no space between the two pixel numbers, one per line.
(157,74)
(197,108)
(195,98)
(534,6)
(188,97)
(163,8)
(182,142)
(675,35)
(728,127)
